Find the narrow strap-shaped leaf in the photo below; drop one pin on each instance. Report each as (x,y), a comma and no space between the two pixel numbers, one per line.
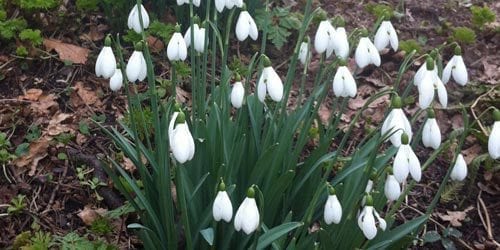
(275,233)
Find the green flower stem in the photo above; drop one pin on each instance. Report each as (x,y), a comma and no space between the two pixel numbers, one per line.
(264,29)
(225,49)
(180,175)
(214,56)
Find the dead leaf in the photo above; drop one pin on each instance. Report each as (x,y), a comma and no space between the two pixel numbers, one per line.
(57,126)
(45,105)
(89,215)
(455,217)
(88,97)
(324,114)
(128,165)
(37,151)
(183,96)
(155,44)
(67,52)
(31,95)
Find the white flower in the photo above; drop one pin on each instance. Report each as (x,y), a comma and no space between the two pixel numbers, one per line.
(366,53)
(392,190)
(199,38)
(333,210)
(431,134)
(343,83)
(386,34)
(406,162)
(177,49)
(341,43)
(237,94)
(396,123)
(494,140)
(105,65)
(219,5)
(222,208)
(366,222)
(247,217)
(426,85)
(323,40)
(195,2)
(136,67)
(180,138)
(116,81)
(421,73)
(187,35)
(134,21)
(245,26)
(304,52)
(269,82)
(456,68)
(459,171)
(368,189)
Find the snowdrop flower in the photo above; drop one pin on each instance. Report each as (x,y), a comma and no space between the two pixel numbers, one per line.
(187,35)
(426,86)
(431,134)
(494,138)
(396,123)
(247,217)
(419,75)
(333,209)
(406,162)
(323,40)
(386,34)
(134,21)
(392,190)
(456,69)
(245,26)
(366,53)
(269,82)
(199,38)
(341,43)
(219,5)
(459,171)
(366,220)
(304,52)
(177,48)
(195,2)
(116,81)
(222,208)
(368,188)
(343,82)
(180,138)
(105,64)
(136,66)
(237,93)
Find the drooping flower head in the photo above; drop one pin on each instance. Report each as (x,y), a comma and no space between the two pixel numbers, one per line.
(245,26)
(247,217)
(116,81)
(494,138)
(344,84)
(195,2)
(269,82)
(392,190)
(180,139)
(459,171)
(134,21)
(222,207)
(340,41)
(105,64)
(431,134)
(333,209)
(429,82)
(456,69)
(323,40)
(198,35)
(366,219)
(396,123)
(406,161)
(423,68)
(237,93)
(136,66)
(304,51)
(366,53)
(177,48)
(386,34)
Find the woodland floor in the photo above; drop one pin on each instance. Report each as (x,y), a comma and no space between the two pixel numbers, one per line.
(49,105)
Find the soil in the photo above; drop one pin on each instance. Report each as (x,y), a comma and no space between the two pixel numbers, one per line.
(59,99)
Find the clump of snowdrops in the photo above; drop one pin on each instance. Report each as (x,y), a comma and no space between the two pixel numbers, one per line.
(227,171)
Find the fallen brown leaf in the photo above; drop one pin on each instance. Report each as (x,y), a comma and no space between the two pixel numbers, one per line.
(455,217)
(155,44)
(45,105)
(67,52)
(88,97)
(37,151)
(89,215)
(57,126)
(31,95)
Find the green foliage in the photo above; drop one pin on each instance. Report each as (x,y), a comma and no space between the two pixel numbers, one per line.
(450,191)
(482,15)
(32,36)
(32,5)
(380,10)
(132,37)
(446,237)
(283,22)
(464,35)
(87,5)
(101,226)
(144,117)
(410,45)
(161,30)
(235,65)
(21,51)
(10,28)
(17,204)
(64,138)
(73,241)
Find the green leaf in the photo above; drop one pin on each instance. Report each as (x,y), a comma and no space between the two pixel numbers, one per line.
(391,236)
(448,244)
(208,235)
(62,156)
(275,233)
(22,149)
(431,236)
(451,231)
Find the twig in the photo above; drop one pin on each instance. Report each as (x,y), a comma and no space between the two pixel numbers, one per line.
(474,113)
(486,219)
(56,189)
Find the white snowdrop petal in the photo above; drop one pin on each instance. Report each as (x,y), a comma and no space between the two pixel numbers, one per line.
(494,141)
(253,32)
(303,52)
(199,40)
(333,210)
(274,85)
(381,39)
(374,55)
(460,71)
(98,64)
(400,165)
(447,71)
(108,63)
(393,37)
(171,127)
(381,221)
(116,81)
(426,91)
(459,171)
(133,68)
(368,224)
(338,83)
(386,126)
(187,36)
(237,95)
(219,5)
(321,37)
(431,134)
(222,207)
(262,86)
(144,68)
(341,43)
(413,164)
(247,217)
(180,143)
(145,17)
(392,190)
(362,55)
(419,76)
(243,26)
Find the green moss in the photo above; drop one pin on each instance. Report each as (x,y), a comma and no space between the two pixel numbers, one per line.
(33,36)
(464,35)
(380,10)
(410,45)
(87,5)
(482,16)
